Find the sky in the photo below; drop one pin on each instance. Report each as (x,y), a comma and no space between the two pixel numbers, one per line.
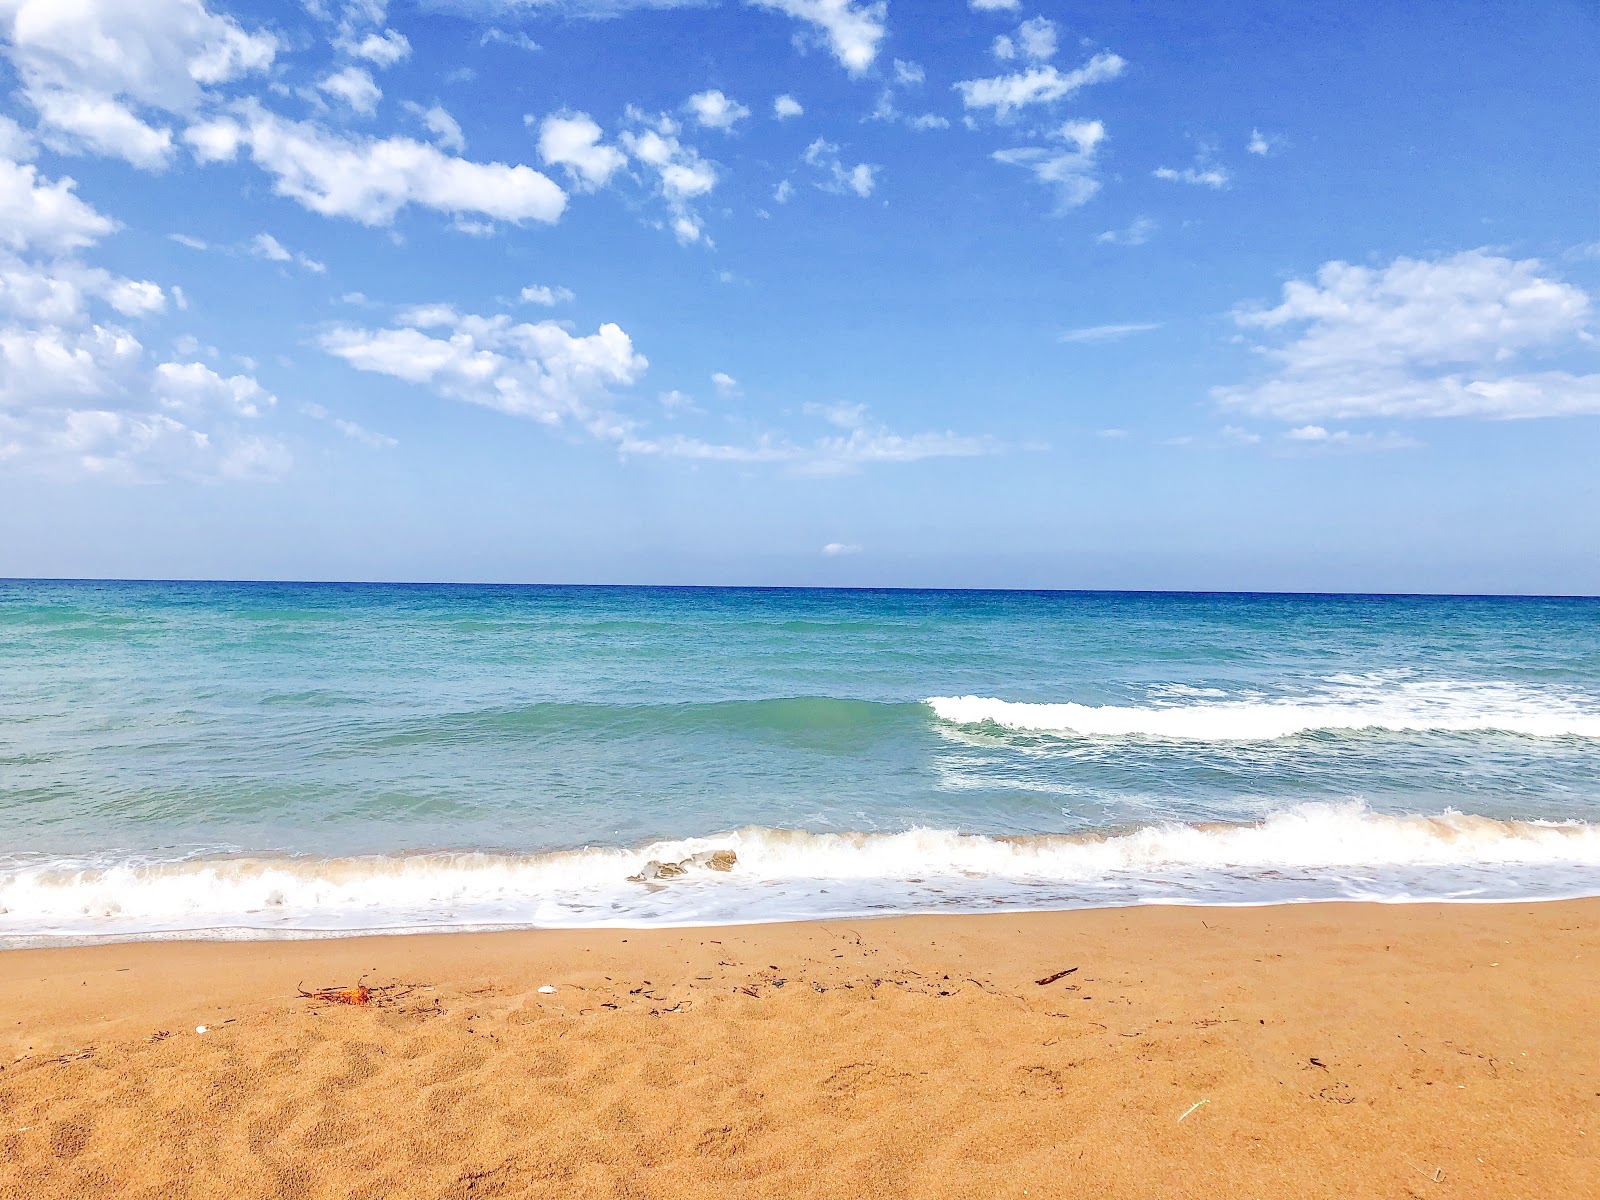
(955,293)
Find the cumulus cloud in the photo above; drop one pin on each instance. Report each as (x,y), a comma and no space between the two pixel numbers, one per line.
(78,395)
(1033,40)
(852,28)
(1469,335)
(544,372)
(1068,166)
(786,106)
(194,388)
(713,110)
(727,386)
(838,549)
(45,215)
(371,179)
(995,5)
(545,295)
(682,174)
(573,141)
(539,371)
(354,87)
(381,49)
(833,176)
(1259,143)
(1006,94)
(103,74)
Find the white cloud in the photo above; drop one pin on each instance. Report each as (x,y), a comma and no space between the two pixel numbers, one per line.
(995,5)
(713,110)
(539,371)
(1259,143)
(833,455)
(1105,333)
(834,176)
(1422,338)
(783,192)
(1068,168)
(845,416)
(351,430)
(1037,39)
(1037,85)
(194,388)
(446,131)
(853,29)
(545,373)
(908,74)
(89,66)
(727,386)
(786,106)
(1205,176)
(102,126)
(355,87)
(47,216)
(16,143)
(76,394)
(928,121)
(518,39)
(676,403)
(381,49)
(264,245)
(1138,231)
(545,295)
(682,175)
(1316,437)
(371,179)
(572,140)
(838,549)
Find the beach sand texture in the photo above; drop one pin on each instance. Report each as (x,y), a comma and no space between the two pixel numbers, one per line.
(1310,1051)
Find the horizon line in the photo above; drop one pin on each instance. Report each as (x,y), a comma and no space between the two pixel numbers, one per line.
(781,587)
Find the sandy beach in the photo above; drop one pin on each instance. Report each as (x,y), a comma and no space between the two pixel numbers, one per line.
(1320,1050)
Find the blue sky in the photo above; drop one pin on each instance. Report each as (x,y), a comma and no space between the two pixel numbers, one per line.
(802,292)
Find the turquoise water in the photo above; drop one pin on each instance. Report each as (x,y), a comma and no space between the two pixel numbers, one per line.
(293,758)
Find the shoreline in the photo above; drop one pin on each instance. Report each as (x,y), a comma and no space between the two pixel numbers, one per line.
(254,934)
(1323,1049)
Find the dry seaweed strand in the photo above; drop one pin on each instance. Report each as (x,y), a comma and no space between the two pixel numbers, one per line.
(360,995)
(1048,979)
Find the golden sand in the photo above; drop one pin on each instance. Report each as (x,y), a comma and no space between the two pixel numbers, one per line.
(1314,1051)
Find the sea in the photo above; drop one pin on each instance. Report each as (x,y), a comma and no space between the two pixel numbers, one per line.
(260,760)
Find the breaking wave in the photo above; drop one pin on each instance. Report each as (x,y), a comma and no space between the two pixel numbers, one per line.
(1347,705)
(1311,852)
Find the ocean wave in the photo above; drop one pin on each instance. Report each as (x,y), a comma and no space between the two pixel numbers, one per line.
(1347,705)
(1311,852)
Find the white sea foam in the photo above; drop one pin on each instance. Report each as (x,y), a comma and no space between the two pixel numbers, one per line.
(1345,703)
(1312,852)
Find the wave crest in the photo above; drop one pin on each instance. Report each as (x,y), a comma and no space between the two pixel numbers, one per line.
(1407,708)
(1312,852)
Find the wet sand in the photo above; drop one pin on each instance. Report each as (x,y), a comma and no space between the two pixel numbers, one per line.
(1347,1051)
